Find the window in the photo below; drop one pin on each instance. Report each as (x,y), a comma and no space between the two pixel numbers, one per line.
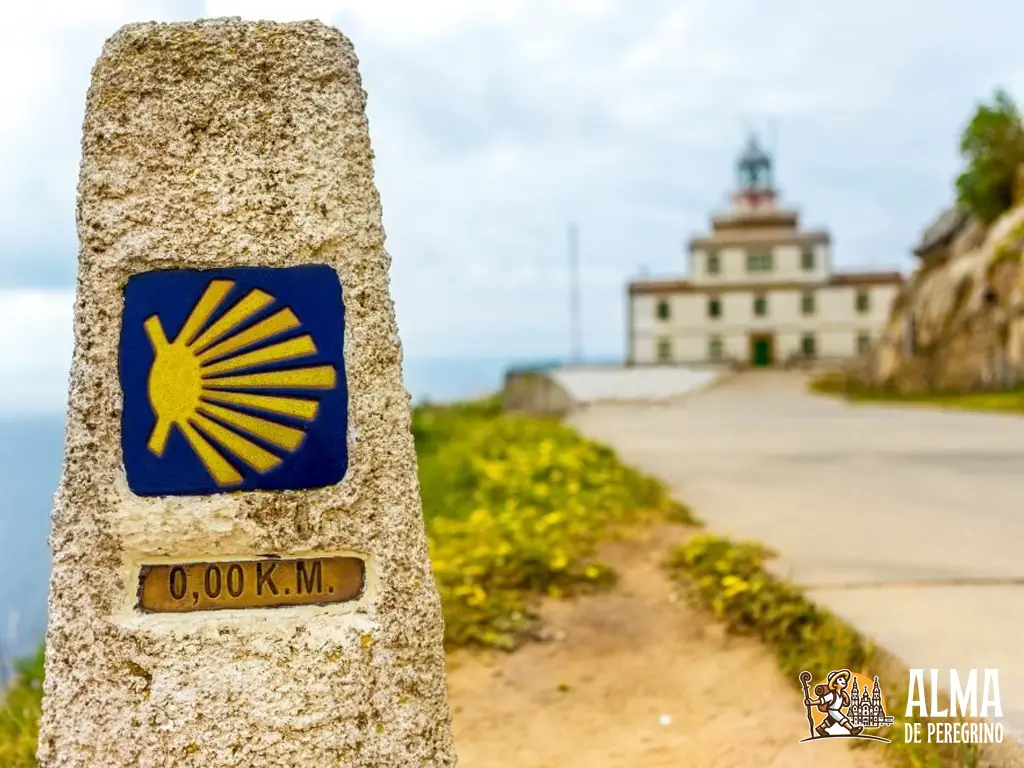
(807,260)
(863,302)
(863,343)
(807,304)
(759,262)
(808,345)
(714,308)
(663,309)
(664,350)
(760,306)
(715,348)
(713,264)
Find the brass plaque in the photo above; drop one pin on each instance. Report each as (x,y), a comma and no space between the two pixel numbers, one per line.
(264,583)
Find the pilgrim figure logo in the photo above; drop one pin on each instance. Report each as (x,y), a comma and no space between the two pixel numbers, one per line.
(839,708)
(240,379)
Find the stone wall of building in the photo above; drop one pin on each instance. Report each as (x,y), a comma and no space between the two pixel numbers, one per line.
(833,321)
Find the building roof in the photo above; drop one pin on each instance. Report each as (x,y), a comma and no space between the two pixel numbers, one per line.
(761,236)
(866,278)
(773,219)
(857,279)
(941,231)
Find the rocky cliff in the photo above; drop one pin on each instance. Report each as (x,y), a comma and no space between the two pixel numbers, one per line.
(958,324)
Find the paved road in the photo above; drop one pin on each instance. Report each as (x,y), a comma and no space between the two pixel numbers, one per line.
(908,522)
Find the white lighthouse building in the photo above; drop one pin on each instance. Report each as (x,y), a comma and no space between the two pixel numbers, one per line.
(760,289)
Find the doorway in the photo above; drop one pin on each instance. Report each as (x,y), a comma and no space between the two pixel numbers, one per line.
(762,349)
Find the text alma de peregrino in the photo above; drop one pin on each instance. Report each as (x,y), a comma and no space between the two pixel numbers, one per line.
(963,695)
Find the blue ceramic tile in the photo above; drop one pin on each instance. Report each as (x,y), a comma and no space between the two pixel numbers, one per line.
(233,380)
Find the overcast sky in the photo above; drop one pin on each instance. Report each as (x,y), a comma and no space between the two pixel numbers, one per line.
(496,123)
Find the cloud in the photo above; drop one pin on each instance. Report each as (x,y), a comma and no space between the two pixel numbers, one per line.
(496,124)
(45,63)
(35,349)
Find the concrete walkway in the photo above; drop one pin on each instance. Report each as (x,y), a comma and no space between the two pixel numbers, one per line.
(908,522)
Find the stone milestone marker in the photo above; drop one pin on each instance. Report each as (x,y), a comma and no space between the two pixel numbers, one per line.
(240,569)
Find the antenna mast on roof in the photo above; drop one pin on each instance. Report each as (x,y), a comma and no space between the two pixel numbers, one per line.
(748,127)
(575,342)
(773,135)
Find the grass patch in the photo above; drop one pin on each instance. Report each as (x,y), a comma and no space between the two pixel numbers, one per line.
(514,508)
(729,579)
(20,708)
(843,385)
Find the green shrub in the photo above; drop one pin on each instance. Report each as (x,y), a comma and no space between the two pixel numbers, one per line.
(20,708)
(993,149)
(1009,401)
(515,507)
(836,383)
(729,579)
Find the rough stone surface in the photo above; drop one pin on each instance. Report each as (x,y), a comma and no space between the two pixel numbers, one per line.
(214,144)
(959,325)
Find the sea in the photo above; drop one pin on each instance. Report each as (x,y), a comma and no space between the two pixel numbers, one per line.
(31,449)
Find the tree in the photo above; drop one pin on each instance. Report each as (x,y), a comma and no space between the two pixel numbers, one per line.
(992,146)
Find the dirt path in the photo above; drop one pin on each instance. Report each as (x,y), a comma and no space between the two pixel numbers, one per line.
(636,679)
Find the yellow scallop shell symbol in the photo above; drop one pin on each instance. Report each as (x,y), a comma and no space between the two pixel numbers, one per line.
(195,384)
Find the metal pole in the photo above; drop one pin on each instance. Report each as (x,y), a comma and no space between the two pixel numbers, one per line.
(574,294)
